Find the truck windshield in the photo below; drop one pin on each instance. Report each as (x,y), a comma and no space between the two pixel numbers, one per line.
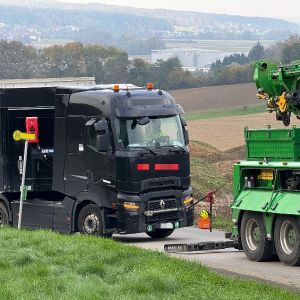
(156,133)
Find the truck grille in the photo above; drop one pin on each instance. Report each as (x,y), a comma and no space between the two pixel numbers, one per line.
(155,205)
(168,203)
(165,216)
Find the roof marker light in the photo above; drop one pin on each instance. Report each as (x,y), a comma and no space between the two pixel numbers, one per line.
(116,88)
(150,86)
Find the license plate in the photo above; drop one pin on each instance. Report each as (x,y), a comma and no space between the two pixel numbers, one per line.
(166,226)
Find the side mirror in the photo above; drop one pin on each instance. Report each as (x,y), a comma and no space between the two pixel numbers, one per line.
(183,121)
(143,121)
(186,136)
(101,127)
(102,142)
(98,134)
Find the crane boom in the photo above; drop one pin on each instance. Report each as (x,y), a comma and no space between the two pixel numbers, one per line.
(279,86)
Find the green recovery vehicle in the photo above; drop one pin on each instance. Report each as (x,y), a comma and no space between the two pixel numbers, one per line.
(266,199)
(266,185)
(266,191)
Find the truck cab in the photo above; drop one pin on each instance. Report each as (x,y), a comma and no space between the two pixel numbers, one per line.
(110,159)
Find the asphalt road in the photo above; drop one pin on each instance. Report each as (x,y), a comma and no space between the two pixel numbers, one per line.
(229,261)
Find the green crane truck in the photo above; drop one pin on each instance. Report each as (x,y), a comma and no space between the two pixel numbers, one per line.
(266,189)
(266,185)
(266,199)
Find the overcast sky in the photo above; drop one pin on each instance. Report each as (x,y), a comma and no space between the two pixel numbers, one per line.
(288,9)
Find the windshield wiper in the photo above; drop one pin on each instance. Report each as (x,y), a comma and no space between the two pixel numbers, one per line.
(174,146)
(146,148)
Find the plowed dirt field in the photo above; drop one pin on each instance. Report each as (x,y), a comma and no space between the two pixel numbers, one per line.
(227,132)
(216,97)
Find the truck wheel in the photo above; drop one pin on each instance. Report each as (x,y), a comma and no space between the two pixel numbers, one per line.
(160,233)
(90,221)
(287,240)
(253,237)
(3,215)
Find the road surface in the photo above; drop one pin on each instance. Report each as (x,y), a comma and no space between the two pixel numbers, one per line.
(228,261)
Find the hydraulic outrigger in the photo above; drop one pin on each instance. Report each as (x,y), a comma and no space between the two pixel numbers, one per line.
(202,246)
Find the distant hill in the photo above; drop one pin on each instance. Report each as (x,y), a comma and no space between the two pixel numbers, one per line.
(96,23)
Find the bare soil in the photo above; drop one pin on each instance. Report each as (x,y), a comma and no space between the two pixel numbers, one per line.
(228,132)
(216,97)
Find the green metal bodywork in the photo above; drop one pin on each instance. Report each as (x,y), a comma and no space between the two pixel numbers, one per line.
(273,144)
(274,80)
(269,200)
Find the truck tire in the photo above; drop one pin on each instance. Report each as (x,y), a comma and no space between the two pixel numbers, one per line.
(3,215)
(253,237)
(90,221)
(287,239)
(160,233)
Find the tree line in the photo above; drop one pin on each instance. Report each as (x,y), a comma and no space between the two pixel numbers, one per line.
(107,64)
(238,68)
(111,65)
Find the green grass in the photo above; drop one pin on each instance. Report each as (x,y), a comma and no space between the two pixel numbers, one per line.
(223,222)
(235,111)
(206,178)
(46,265)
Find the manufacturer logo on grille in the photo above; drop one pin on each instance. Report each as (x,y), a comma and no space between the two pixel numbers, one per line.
(162,204)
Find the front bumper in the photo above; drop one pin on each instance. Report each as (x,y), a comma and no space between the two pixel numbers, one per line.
(145,219)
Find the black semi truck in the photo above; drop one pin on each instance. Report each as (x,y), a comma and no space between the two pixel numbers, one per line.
(109,159)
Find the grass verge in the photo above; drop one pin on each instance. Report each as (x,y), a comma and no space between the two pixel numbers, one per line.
(223,223)
(46,265)
(235,111)
(205,178)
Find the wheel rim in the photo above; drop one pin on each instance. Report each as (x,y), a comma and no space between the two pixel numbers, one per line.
(91,224)
(252,234)
(287,237)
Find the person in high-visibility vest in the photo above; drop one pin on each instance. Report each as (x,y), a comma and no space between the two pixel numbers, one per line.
(204,220)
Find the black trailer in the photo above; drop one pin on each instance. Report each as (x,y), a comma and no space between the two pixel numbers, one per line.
(110,159)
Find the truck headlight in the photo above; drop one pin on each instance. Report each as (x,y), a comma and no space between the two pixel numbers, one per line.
(188,201)
(131,206)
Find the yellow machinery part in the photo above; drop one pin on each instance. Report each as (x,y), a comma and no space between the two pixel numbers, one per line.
(262,97)
(265,175)
(281,103)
